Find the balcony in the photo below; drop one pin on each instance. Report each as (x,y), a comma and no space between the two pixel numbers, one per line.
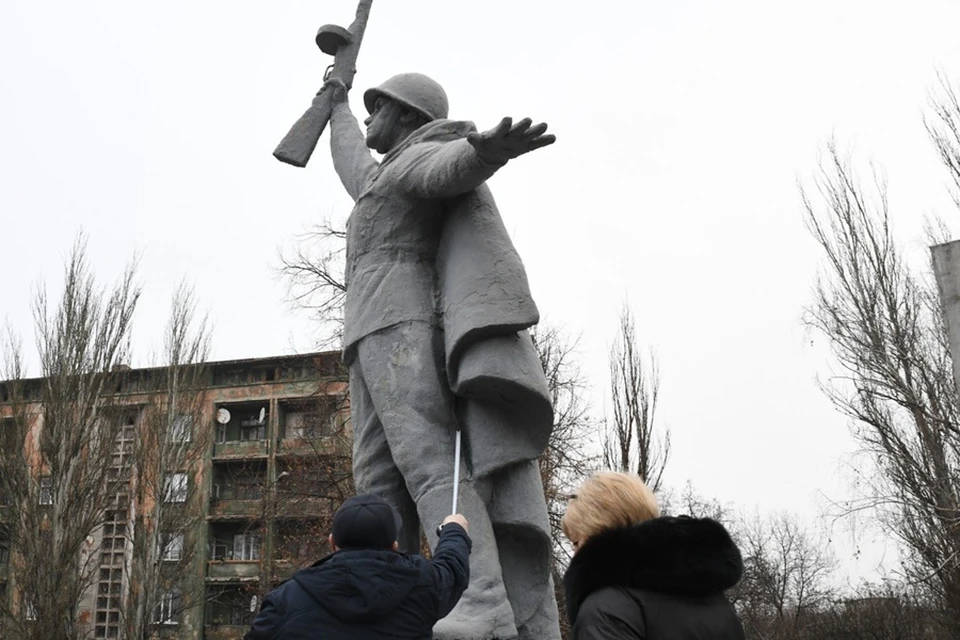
(230,610)
(320,445)
(225,631)
(238,489)
(284,569)
(241,430)
(230,509)
(232,570)
(237,500)
(240,450)
(235,552)
(305,508)
(311,424)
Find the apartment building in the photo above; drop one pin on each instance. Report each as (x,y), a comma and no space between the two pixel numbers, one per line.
(274,462)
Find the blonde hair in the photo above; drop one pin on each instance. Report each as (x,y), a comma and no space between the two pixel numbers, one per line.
(608,500)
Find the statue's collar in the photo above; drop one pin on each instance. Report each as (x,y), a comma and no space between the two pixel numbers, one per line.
(433,131)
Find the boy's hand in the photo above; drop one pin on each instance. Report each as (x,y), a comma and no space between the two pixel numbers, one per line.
(458,518)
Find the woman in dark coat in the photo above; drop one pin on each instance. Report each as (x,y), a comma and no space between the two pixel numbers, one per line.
(638,576)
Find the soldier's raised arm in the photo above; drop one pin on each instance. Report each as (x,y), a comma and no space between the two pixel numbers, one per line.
(447,169)
(351,158)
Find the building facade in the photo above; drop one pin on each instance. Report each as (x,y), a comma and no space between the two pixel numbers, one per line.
(272,444)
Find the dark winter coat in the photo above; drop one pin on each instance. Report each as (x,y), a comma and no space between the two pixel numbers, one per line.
(660,579)
(368,594)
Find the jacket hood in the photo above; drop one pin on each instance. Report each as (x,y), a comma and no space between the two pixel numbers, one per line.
(361,584)
(675,555)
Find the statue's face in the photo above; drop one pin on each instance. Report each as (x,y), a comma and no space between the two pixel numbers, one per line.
(383,125)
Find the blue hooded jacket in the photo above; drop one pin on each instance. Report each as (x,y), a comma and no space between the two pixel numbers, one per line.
(368,594)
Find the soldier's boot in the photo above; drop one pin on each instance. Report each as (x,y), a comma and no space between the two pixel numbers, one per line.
(483,613)
(543,623)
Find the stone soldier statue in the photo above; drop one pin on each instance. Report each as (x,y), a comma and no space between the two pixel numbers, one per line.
(437,308)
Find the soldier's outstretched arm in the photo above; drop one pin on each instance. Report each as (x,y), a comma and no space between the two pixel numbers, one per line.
(447,169)
(351,157)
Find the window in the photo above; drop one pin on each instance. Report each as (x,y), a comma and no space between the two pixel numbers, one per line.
(232,606)
(312,424)
(175,487)
(253,423)
(4,554)
(248,488)
(46,490)
(180,428)
(8,436)
(228,376)
(255,432)
(29,611)
(220,552)
(246,546)
(168,608)
(262,375)
(312,418)
(173,551)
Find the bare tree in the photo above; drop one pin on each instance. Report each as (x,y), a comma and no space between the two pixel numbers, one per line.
(167,458)
(60,432)
(568,458)
(570,455)
(886,330)
(878,612)
(943,126)
(690,502)
(789,569)
(314,272)
(632,443)
(787,572)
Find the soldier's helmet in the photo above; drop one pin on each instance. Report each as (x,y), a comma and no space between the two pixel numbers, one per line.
(413,90)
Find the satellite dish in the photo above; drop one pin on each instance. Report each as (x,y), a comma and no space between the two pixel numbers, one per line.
(263,413)
(253,603)
(223,416)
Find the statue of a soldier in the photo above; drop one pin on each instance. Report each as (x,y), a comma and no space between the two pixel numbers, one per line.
(435,338)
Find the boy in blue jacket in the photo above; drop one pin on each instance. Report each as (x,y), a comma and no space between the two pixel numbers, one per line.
(366,589)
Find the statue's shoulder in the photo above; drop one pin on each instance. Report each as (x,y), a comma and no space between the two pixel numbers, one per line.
(442,131)
(436,131)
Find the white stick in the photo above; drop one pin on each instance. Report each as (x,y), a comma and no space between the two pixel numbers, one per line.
(456,473)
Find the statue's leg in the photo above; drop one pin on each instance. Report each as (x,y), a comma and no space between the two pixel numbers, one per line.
(523,540)
(373,468)
(402,368)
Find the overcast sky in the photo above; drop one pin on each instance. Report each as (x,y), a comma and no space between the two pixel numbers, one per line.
(682,130)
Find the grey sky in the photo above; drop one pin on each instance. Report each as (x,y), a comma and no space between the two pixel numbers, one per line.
(682,129)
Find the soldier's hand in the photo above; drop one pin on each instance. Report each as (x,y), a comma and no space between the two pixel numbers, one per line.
(338,90)
(459,519)
(507,140)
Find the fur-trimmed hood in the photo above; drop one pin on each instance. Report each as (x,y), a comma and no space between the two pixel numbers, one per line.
(675,555)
